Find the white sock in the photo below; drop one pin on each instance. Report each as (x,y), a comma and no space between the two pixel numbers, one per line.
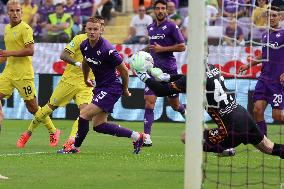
(147,136)
(135,136)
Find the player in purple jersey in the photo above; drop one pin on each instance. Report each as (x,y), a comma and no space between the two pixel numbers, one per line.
(88,8)
(41,18)
(74,10)
(165,38)
(269,89)
(235,124)
(102,58)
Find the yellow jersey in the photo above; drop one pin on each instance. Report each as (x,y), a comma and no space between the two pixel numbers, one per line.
(258,16)
(73,74)
(28,11)
(16,38)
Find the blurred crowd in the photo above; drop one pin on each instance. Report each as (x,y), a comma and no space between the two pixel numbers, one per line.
(237,21)
(59,20)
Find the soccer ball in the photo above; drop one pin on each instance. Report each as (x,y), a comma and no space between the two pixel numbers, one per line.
(141,62)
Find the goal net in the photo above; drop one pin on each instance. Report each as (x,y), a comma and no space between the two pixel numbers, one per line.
(234,38)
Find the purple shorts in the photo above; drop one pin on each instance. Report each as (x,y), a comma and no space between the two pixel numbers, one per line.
(149,92)
(105,98)
(271,92)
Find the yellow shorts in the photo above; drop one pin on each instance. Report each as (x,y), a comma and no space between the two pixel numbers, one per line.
(65,92)
(25,87)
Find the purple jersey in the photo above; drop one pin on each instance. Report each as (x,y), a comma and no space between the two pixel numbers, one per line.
(233,6)
(102,59)
(44,11)
(166,34)
(232,33)
(74,10)
(272,56)
(86,6)
(176,2)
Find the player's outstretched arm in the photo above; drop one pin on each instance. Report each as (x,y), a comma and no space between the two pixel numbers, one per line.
(66,57)
(28,50)
(249,65)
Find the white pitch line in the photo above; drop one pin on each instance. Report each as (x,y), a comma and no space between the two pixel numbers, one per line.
(3,177)
(20,154)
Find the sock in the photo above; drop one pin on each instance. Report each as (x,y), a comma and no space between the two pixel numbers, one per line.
(278,150)
(135,136)
(181,109)
(83,129)
(40,116)
(113,129)
(74,129)
(262,127)
(148,120)
(49,125)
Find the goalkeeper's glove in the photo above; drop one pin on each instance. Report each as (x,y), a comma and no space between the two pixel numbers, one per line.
(143,76)
(158,74)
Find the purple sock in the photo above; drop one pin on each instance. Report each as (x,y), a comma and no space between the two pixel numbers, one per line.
(148,120)
(83,129)
(113,129)
(278,150)
(262,127)
(181,108)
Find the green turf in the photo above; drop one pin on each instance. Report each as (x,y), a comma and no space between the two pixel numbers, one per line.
(107,162)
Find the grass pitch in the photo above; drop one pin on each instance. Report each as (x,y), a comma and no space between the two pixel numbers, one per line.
(107,162)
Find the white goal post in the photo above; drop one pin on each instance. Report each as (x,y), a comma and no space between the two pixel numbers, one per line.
(195,92)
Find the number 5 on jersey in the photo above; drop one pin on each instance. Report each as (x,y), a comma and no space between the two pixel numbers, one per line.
(100,96)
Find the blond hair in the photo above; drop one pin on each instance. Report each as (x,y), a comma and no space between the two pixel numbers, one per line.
(10,2)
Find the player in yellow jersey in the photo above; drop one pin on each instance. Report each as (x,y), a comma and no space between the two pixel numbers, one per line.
(18,73)
(71,86)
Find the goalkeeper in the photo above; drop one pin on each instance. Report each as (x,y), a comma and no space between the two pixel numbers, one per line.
(235,124)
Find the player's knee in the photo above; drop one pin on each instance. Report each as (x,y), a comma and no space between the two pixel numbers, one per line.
(278,116)
(85,114)
(175,107)
(32,108)
(149,104)
(258,111)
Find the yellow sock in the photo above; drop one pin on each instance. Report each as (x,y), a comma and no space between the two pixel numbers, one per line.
(39,117)
(74,129)
(49,125)
(34,123)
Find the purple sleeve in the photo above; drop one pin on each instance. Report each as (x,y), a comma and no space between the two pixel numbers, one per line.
(114,57)
(176,2)
(82,49)
(240,31)
(225,5)
(177,35)
(227,31)
(77,11)
(242,7)
(282,37)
